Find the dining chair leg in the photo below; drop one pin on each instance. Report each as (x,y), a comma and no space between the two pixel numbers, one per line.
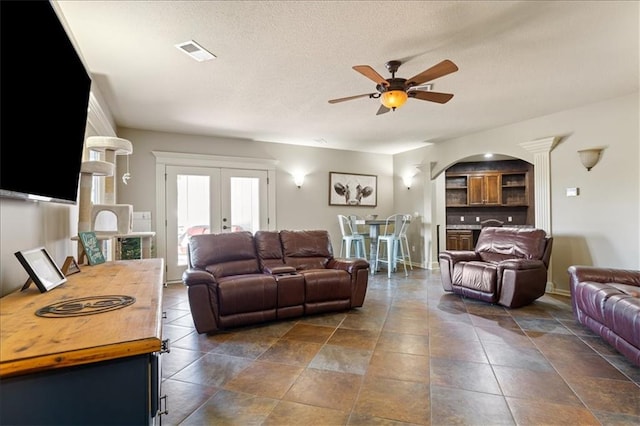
(390,259)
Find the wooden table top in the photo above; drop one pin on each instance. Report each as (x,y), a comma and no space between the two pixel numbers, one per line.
(30,343)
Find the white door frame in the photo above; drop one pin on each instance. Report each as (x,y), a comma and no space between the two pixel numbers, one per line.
(164,159)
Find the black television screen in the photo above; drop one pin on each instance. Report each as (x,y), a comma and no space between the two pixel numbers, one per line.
(44,90)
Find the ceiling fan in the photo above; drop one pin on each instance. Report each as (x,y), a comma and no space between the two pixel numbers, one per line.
(394,92)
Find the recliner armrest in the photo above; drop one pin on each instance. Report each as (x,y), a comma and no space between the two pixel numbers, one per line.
(520,264)
(349,265)
(454,256)
(197,276)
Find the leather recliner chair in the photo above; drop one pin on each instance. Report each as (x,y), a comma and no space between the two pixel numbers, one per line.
(508,266)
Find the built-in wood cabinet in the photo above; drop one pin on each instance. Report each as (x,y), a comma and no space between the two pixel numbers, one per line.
(477,191)
(487,189)
(459,240)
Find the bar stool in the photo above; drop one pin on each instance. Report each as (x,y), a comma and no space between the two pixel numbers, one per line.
(351,238)
(395,226)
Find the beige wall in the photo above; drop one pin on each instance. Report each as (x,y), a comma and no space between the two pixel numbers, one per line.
(599,227)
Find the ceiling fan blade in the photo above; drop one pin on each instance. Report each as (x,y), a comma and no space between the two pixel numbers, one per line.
(348,98)
(441,98)
(371,74)
(382,110)
(443,68)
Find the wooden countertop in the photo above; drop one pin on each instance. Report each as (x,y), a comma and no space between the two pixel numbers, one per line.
(30,343)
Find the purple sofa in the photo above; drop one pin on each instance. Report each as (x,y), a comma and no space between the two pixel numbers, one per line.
(607,301)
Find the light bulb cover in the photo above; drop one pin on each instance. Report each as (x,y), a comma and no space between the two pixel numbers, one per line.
(589,157)
(298,179)
(394,98)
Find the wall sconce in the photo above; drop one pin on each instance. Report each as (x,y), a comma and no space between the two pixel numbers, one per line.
(298,179)
(590,157)
(407,181)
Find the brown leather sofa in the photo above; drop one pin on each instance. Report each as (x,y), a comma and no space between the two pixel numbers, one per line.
(508,266)
(607,301)
(237,278)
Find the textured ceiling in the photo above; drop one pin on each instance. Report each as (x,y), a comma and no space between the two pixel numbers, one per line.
(279,62)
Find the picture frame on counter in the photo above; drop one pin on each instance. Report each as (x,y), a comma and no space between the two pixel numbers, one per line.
(41,268)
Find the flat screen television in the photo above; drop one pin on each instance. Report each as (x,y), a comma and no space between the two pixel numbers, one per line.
(44,90)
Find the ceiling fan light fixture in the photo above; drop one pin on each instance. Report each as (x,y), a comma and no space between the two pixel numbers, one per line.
(393,98)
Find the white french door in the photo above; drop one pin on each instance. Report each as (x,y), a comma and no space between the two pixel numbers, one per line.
(202,200)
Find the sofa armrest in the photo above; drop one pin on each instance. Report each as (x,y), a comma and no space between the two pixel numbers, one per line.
(580,273)
(197,276)
(349,265)
(279,270)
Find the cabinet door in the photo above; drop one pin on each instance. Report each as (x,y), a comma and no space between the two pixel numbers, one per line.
(492,189)
(452,240)
(484,189)
(474,186)
(465,240)
(459,240)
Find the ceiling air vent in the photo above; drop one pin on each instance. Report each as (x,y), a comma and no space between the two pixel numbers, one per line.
(195,51)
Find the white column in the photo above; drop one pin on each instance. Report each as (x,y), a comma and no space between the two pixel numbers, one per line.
(541,150)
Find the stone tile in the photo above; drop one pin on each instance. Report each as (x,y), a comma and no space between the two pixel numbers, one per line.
(288,413)
(517,356)
(245,345)
(232,408)
(415,344)
(399,366)
(508,336)
(463,350)
(212,370)
(535,385)
(342,359)
(291,352)
(613,396)
(456,406)
(328,389)
(265,379)
(394,400)
(451,373)
(309,333)
(550,325)
(183,399)
(177,359)
(537,412)
(580,364)
(358,339)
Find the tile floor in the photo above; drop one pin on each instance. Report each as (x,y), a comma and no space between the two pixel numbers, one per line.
(412,355)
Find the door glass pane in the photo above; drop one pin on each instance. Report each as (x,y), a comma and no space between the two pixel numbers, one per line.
(245,204)
(193,210)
